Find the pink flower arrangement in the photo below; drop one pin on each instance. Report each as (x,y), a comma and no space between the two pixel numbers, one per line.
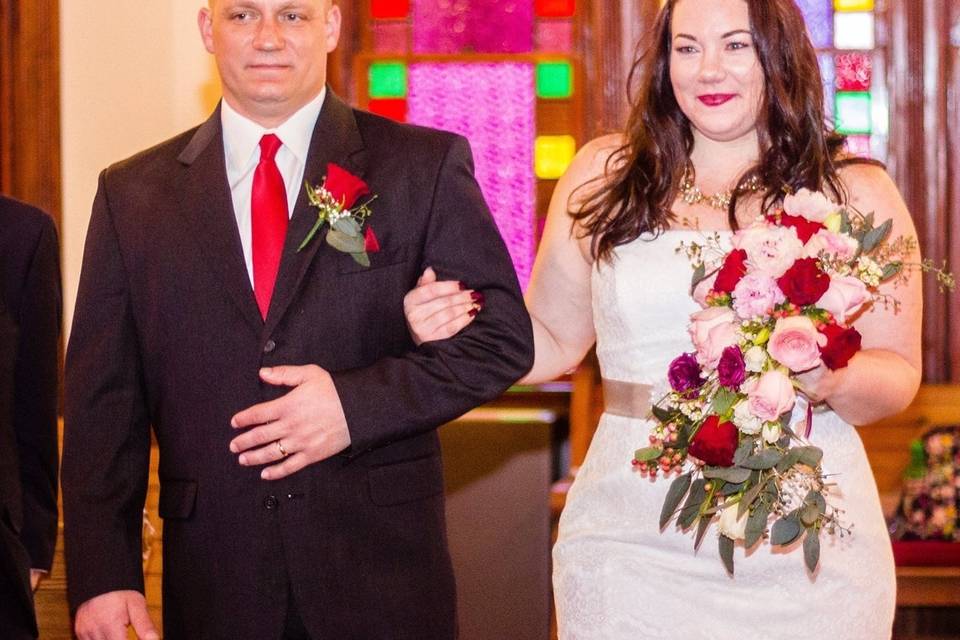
(779,303)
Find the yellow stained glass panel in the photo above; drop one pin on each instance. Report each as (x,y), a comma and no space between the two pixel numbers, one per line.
(552,155)
(853,5)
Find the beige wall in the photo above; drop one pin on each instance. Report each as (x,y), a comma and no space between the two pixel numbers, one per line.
(133,75)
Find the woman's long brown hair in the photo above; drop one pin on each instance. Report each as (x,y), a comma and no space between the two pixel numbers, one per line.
(642,177)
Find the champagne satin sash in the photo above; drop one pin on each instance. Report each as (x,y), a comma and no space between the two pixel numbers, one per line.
(627,399)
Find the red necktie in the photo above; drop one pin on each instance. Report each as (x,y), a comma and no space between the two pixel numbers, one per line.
(268,207)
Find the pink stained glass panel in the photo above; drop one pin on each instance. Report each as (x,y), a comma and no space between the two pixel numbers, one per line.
(819,17)
(390,38)
(481,26)
(859,145)
(854,71)
(494,106)
(555,36)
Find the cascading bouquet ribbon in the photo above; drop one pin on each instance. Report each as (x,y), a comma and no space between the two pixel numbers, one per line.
(779,303)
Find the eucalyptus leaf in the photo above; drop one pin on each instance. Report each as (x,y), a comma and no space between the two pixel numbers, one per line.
(730,488)
(875,236)
(661,414)
(786,530)
(748,498)
(868,221)
(790,458)
(647,454)
(347,226)
(691,508)
(811,549)
(809,514)
(891,270)
(744,451)
(810,456)
(816,499)
(343,242)
(699,273)
(702,527)
(726,553)
(361,258)
(845,226)
(678,489)
(766,459)
(735,475)
(756,524)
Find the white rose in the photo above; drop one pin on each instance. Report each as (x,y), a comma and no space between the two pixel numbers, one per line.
(755,359)
(771,432)
(730,525)
(745,420)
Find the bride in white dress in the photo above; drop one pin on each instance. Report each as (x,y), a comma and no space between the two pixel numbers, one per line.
(729,91)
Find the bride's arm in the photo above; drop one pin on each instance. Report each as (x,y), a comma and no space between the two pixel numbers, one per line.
(883,377)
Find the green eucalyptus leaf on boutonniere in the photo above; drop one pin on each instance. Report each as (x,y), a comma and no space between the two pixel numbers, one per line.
(342,242)
(335,200)
(347,226)
(361,258)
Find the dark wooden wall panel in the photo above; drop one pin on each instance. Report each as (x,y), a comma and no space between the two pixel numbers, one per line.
(30,102)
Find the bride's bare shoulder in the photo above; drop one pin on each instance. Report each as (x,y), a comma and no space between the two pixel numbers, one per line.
(593,162)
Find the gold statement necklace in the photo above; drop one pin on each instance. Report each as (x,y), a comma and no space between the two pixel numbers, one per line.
(691,193)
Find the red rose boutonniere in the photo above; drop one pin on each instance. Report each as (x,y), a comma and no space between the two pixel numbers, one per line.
(335,200)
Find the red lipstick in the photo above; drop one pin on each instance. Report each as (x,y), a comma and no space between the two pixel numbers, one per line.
(716,99)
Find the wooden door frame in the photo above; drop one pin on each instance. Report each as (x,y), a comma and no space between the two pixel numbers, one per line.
(30,103)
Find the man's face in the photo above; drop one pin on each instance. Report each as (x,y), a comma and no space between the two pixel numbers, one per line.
(271,54)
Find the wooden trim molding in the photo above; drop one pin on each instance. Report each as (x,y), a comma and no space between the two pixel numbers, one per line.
(30,102)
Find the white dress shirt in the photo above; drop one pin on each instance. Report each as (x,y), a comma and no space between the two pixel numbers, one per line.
(241,148)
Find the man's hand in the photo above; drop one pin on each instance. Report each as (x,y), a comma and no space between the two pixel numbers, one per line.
(305,426)
(107,616)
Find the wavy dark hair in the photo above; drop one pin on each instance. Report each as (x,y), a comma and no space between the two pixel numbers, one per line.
(798,149)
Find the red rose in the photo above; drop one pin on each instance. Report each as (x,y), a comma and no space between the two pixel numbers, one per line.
(804,283)
(842,344)
(344,186)
(370,242)
(734,267)
(806,229)
(715,442)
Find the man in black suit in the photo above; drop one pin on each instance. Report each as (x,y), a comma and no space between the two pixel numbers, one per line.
(300,473)
(29,338)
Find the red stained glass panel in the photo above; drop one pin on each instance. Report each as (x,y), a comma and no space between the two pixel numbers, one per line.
(386,9)
(555,8)
(854,71)
(393,108)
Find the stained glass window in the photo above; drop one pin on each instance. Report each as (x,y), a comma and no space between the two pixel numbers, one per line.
(503,73)
(851,63)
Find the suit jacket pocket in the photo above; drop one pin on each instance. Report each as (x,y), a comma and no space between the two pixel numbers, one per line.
(406,481)
(177,498)
(380,259)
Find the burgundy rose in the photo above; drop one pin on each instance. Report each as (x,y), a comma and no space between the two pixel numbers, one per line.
(806,229)
(370,242)
(734,267)
(344,186)
(731,369)
(842,344)
(684,374)
(715,442)
(804,283)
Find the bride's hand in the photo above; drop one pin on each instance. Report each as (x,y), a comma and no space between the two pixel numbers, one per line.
(819,384)
(436,310)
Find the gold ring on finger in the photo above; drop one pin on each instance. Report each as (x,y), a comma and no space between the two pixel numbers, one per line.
(283,452)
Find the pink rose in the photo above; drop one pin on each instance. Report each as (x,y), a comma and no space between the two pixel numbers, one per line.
(770,395)
(712,330)
(795,343)
(812,205)
(756,295)
(844,298)
(703,288)
(771,249)
(836,245)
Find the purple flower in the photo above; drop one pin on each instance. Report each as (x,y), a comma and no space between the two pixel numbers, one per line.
(731,370)
(684,374)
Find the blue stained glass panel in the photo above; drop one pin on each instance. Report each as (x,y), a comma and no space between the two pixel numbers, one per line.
(819,17)
(828,71)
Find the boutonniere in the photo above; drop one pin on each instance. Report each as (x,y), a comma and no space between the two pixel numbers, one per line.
(334,199)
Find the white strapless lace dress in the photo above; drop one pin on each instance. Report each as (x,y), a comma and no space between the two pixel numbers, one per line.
(617,576)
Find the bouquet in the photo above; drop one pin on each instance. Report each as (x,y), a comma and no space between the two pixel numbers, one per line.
(781,302)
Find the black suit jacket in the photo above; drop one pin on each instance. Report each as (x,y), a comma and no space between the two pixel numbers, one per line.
(167,333)
(29,338)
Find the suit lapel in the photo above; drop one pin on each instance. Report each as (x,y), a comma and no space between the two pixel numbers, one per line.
(207,206)
(335,139)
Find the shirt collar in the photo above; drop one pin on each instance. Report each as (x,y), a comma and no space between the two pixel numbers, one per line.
(241,136)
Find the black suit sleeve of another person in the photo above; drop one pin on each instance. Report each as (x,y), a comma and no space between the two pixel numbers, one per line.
(399,397)
(35,397)
(106,447)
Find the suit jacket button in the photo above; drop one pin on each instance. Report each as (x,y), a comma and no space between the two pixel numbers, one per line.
(270,503)
(269,346)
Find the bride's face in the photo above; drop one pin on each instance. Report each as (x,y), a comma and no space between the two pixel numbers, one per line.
(716,75)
